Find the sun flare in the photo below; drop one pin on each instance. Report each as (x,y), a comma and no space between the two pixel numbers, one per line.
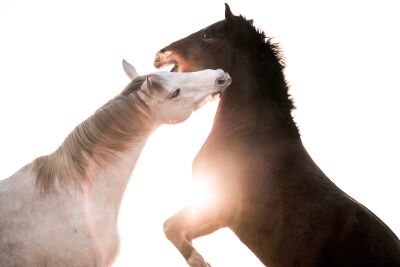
(200,193)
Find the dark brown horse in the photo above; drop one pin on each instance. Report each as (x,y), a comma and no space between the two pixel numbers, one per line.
(267,188)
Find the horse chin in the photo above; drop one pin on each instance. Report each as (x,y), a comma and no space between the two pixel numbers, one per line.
(201,103)
(210,98)
(217,95)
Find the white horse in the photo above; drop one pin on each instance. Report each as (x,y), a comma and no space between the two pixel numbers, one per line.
(62,209)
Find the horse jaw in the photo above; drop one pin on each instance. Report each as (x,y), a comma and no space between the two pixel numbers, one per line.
(209,98)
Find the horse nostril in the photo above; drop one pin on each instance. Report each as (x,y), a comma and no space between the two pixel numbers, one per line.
(224,80)
(221,81)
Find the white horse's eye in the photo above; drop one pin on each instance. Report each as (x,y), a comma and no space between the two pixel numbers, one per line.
(176,93)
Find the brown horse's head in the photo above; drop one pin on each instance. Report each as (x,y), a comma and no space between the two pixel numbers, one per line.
(236,46)
(213,47)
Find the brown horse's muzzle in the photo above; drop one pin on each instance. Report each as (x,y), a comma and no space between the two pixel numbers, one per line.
(167,57)
(163,58)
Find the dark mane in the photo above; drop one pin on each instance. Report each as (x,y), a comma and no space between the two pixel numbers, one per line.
(269,58)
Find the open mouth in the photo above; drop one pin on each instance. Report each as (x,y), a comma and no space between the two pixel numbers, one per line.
(175,68)
(171,66)
(171,61)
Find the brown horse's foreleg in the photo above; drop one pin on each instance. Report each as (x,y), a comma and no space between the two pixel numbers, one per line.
(189,224)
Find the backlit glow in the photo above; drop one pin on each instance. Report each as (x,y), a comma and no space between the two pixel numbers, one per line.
(200,193)
(61,60)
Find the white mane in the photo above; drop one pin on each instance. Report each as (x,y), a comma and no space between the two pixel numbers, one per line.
(111,129)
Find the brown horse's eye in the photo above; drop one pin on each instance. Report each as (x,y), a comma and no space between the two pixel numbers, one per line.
(205,36)
(176,93)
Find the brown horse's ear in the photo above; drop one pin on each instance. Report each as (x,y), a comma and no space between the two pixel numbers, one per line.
(228,14)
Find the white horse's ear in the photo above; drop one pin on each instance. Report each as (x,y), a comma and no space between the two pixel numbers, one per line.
(129,70)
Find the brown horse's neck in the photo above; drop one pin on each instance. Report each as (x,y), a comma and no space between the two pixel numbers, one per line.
(248,107)
(248,116)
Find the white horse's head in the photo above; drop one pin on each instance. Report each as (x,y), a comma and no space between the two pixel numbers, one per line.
(173,96)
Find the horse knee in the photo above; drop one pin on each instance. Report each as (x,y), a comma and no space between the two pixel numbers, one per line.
(169,229)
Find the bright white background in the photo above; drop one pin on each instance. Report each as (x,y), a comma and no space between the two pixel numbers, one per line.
(61,60)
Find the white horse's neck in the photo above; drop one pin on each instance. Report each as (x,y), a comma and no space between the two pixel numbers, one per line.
(89,172)
(115,133)
(107,183)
